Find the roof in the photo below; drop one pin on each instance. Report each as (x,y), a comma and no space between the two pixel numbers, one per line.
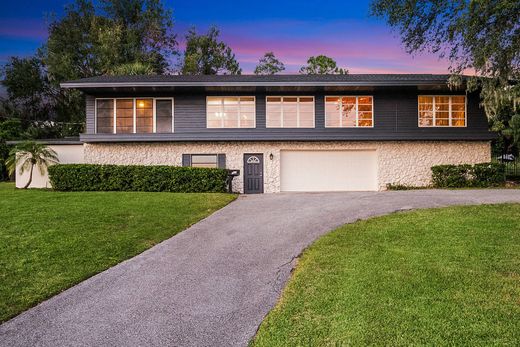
(258,80)
(63,141)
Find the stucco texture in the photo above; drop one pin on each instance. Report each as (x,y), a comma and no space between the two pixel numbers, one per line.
(398,162)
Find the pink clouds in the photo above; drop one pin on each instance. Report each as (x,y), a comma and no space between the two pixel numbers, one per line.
(349,42)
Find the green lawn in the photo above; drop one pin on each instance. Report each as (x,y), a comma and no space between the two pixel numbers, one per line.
(50,241)
(432,277)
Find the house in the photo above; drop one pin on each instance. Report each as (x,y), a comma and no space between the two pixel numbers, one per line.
(287,132)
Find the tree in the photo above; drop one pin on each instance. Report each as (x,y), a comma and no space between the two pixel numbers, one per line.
(207,55)
(269,65)
(136,68)
(29,154)
(146,32)
(27,88)
(322,65)
(483,36)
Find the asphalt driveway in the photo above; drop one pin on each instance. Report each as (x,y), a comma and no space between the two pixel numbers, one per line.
(212,284)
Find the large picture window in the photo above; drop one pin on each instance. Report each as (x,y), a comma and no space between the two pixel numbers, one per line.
(442,111)
(230,112)
(349,111)
(290,112)
(134,115)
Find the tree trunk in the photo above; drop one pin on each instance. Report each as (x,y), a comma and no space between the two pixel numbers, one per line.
(30,178)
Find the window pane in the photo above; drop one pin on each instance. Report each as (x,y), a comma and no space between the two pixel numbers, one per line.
(247,112)
(441,122)
(458,122)
(290,113)
(364,107)
(163,116)
(458,107)
(230,115)
(365,123)
(442,107)
(274,115)
(442,100)
(306,99)
(458,99)
(204,160)
(288,99)
(425,99)
(124,116)
(105,116)
(332,112)
(214,101)
(365,100)
(274,99)
(144,115)
(349,112)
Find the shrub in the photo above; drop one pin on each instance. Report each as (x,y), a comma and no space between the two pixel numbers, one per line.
(90,177)
(461,176)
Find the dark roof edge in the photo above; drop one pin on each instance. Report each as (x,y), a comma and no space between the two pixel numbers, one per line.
(249,84)
(65,141)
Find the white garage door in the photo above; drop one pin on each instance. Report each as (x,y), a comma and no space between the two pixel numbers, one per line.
(322,171)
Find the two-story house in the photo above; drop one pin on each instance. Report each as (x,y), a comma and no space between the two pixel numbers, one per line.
(287,132)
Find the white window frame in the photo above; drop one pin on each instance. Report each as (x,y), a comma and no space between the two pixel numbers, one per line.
(450,118)
(341,110)
(222,110)
(297,111)
(154,113)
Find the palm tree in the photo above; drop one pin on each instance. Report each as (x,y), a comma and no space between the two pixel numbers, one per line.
(28,154)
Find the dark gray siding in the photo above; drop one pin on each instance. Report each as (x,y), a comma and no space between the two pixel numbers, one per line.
(91,123)
(395,118)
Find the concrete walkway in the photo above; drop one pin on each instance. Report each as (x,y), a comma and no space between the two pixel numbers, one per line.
(212,284)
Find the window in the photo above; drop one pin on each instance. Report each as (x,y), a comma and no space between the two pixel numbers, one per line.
(442,111)
(134,115)
(290,112)
(105,115)
(204,160)
(230,112)
(144,116)
(349,111)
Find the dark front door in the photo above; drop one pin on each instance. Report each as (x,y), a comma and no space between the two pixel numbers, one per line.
(253,173)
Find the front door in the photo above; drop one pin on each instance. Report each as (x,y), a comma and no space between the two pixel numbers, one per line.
(253,173)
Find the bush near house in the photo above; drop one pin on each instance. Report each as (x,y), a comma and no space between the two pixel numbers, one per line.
(91,177)
(462,176)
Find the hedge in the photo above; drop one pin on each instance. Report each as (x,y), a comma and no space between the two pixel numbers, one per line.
(91,177)
(462,176)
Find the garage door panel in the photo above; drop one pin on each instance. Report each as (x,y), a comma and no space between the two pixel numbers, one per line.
(328,170)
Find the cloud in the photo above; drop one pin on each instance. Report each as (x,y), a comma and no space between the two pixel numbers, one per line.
(362,46)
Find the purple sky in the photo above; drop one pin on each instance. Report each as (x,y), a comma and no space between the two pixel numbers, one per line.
(294,30)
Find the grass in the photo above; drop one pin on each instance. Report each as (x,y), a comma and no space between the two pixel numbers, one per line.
(50,241)
(431,277)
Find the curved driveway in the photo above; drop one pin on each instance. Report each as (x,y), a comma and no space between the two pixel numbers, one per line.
(212,284)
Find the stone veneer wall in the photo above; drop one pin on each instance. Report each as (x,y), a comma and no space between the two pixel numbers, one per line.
(399,162)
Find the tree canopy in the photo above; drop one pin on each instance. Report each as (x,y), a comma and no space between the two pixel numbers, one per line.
(322,65)
(475,36)
(206,54)
(269,65)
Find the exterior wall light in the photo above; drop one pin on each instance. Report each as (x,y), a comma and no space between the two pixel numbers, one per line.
(271,156)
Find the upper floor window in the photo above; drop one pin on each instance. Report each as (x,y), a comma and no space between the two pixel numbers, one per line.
(134,115)
(442,111)
(290,112)
(230,112)
(349,111)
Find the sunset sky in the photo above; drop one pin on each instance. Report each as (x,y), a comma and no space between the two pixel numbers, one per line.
(294,30)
